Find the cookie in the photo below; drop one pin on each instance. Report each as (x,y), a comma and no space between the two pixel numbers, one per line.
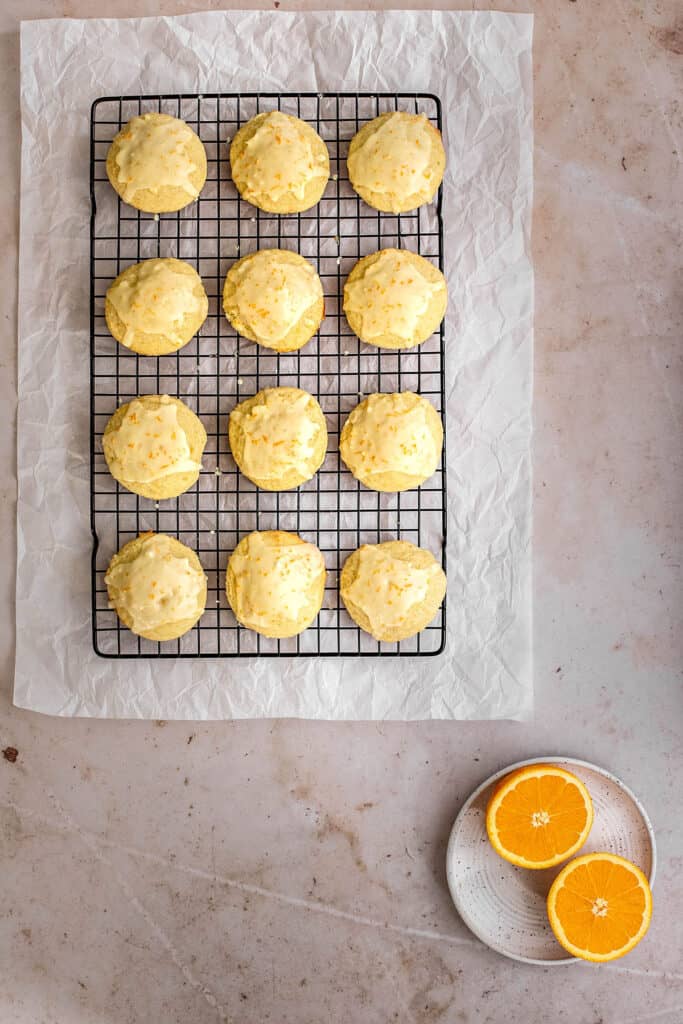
(396,162)
(275,583)
(157,163)
(395,299)
(279,163)
(275,298)
(154,445)
(392,442)
(157,306)
(157,586)
(392,590)
(278,438)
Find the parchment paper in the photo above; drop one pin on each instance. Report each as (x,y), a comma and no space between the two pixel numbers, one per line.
(480,66)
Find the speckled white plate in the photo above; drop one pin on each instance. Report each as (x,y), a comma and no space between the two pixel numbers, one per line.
(505,906)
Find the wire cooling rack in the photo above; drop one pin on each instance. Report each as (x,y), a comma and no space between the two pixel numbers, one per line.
(219,368)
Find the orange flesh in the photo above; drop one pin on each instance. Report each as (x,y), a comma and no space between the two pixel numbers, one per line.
(601,907)
(541,818)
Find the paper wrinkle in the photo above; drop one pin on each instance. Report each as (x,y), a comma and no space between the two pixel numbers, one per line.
(479,64)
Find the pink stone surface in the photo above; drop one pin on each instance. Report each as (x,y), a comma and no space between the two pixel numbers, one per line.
(294,871)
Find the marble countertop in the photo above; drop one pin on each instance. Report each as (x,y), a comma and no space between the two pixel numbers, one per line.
(293,871)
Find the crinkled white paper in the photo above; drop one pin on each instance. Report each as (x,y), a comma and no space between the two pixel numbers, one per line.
(480,66)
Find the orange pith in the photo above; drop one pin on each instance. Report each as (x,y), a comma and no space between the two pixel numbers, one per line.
(599,906)
(539,816)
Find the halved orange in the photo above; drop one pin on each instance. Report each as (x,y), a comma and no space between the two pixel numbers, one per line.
(600,906)
(539,816)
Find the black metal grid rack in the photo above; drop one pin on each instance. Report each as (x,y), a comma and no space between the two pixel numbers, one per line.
(218,368)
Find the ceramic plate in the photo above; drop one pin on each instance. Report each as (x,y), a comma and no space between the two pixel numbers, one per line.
(505,906)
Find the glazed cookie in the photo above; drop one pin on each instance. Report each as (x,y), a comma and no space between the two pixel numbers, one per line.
(392,442)
(156,306)
(279,163)
(157,586)
(395,299)
(392,590)
(278,438)
(396,162)
(274,297)
(157,163)
(275,583)
(154,446)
